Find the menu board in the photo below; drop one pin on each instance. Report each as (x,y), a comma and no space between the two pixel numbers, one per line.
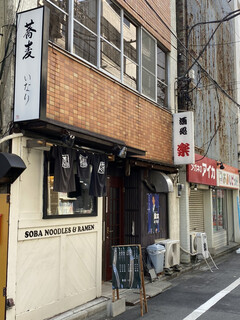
(126,271)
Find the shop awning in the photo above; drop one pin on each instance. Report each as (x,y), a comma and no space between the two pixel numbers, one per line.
(53,131)
(11,166)
(160,181)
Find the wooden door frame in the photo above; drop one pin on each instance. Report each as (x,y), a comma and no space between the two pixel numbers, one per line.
(116,181)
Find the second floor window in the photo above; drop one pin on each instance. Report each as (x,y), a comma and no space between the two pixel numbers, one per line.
(102,34)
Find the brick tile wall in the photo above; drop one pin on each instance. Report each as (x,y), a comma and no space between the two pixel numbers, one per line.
(80,96)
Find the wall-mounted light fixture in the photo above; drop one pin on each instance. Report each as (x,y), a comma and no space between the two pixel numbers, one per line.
(120,151)
(123,152)
(193,186)
(221,165)
(67,138)
(180,188)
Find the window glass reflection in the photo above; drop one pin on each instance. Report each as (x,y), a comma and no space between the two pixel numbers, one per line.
(130,39)
(63,4)
(148,52)
(85,44)
(130,73)
(86,13)
(148,84)
(111,23)
(161,65)
(161,93)
(58,26)
(110,59)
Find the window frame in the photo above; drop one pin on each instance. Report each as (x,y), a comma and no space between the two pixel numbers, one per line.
(46,215)
(219,206)
(166,77)
(139,65)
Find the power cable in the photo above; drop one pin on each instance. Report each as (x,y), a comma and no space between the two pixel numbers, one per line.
(219,125)
(6,54)
(215,44)
(187,50)
(226,18)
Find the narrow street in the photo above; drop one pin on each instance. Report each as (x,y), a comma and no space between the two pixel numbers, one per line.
(199,294)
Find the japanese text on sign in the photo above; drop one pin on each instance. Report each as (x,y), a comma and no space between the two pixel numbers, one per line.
(28,67)
(202,171)
(183,138)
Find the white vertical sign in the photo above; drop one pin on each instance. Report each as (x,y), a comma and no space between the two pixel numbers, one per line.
(28,64)
(183,138)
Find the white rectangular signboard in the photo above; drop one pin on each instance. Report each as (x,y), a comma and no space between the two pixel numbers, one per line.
(28,64)
(183,138)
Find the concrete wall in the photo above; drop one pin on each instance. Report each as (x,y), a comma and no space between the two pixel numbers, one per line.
(215,113)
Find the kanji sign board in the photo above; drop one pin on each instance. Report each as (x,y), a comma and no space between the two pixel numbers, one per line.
(30,67)
(183,138)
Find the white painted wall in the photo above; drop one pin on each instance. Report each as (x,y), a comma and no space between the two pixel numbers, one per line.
(173,200)
(48,275)
(184,218)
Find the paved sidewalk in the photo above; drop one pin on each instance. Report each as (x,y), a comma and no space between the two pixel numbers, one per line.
(97,309)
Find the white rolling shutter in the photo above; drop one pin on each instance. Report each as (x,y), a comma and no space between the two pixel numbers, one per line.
(196,211)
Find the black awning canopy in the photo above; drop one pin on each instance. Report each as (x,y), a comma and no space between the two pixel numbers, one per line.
(11,166)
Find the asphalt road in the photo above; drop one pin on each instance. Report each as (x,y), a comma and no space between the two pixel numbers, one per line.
(199,294)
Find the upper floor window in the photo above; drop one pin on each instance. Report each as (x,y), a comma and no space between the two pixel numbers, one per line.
(85,30)
(59,18)
(148,65)
(102,34)
(110,52)
(161,77)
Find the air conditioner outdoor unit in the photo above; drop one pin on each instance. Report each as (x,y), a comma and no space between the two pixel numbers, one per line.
(193,242)
(202,246)
(172,254)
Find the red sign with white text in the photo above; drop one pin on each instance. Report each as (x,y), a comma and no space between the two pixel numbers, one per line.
(203,171)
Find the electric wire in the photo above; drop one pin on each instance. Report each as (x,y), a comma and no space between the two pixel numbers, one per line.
(226,18)
(219,125)
(187,50)
(215,44)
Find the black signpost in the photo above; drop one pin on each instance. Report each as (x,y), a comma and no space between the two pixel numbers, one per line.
(127,271)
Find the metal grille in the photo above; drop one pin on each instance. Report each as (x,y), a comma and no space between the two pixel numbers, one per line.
(196,211)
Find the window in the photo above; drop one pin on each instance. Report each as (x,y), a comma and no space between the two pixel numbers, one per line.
(161,77)
(85,30)
(218,200)
(66,204)
(148,65)
(130,71)
(58,29)
(101,33)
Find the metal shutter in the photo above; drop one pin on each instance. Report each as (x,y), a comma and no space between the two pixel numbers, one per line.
(196,211)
